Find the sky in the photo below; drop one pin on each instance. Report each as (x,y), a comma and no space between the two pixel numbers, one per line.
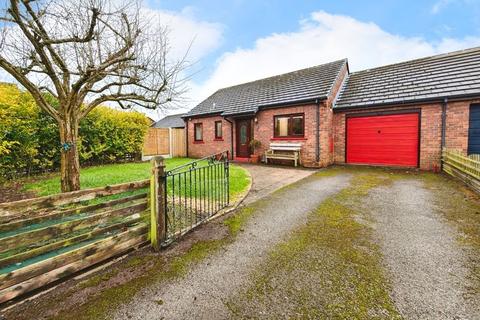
(238,41)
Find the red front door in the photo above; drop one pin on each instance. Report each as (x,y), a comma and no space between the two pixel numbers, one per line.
(243,137)
(383,140)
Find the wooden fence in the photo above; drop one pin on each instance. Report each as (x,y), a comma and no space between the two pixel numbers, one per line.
(178,142)
(47,238)
(465,168)
(165,141)
(157,142)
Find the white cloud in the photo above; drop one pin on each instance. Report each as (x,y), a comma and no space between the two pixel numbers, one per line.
(185,29)
(186,33)
(321,38)
(440,5)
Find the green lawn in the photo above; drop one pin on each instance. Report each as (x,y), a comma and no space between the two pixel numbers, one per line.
(99,176)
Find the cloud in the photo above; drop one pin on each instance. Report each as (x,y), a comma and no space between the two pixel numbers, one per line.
(187,33)
(185,30)
(321,38)
(440,5)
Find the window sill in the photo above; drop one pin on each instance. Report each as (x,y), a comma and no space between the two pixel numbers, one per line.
(218,139)
(293,138)
(198,142)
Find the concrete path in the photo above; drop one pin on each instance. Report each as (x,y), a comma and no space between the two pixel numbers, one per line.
(423,258)
(267,179)
(202,292)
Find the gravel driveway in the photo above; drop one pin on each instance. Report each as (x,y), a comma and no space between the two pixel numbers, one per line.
(202,292)
(422,255)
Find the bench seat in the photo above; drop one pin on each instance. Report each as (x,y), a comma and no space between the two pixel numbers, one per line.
(284,151)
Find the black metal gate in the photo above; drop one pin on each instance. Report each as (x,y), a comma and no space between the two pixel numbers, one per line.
(194,192)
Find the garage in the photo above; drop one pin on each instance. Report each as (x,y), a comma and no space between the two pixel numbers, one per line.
(391,139)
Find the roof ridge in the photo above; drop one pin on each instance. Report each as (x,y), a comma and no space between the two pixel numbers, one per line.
(337,77)
(282,74)
(436,56)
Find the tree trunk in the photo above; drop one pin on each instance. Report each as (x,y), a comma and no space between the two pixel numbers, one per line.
(69,161)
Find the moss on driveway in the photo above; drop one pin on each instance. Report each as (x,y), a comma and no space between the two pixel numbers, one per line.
(332,267)
(329,268)
(460,206)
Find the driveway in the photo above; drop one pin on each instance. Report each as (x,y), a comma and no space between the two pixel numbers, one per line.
(203,293)
(267,179)
(423,254)
(342,243)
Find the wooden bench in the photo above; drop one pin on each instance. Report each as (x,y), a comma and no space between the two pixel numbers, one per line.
(284,151)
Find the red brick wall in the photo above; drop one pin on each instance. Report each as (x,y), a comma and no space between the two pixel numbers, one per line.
(263,130)
(327,129)
(431,131)
(209,145)
(458,114)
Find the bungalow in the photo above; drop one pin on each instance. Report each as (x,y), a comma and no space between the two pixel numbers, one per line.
(396,115)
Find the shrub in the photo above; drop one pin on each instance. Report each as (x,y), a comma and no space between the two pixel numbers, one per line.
(108,135)
(29,138)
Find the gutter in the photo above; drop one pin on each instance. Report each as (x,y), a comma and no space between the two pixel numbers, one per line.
(404,102)
(231,136)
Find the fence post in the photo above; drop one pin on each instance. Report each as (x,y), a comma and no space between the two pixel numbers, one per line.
(157,202)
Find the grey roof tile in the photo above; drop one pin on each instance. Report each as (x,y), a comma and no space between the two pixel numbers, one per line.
(441,76)
(172,121)
(311,83)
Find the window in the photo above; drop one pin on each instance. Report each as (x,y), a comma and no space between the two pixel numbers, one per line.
(289,126)
(198,132)
(218,130)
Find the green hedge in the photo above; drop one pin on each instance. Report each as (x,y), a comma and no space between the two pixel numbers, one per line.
(29,139)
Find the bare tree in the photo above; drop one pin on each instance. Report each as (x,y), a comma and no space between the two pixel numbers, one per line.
(85,53)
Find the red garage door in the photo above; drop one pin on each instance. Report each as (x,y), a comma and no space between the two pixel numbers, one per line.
(383,140)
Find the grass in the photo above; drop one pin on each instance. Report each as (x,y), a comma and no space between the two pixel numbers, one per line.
(328,269)
(99,176)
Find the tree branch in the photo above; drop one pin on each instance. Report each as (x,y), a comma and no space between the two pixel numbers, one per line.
(37,95)
(15,13)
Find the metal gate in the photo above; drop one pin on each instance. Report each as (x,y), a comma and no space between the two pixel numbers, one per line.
(187,195)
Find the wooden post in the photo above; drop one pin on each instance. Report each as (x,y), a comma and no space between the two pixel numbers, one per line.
(157,205)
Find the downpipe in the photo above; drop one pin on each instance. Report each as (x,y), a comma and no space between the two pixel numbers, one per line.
(231,136)
(317,134)
(444,130)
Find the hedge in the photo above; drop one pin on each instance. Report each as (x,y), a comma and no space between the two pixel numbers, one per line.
(29,138)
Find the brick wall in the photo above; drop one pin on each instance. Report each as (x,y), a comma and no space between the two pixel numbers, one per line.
(209,145)
(332,131)
(458,114)
(431,131)
(263,130)
(327,129)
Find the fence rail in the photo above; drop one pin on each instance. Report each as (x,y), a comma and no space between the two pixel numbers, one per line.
(47,238)
(465,168)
